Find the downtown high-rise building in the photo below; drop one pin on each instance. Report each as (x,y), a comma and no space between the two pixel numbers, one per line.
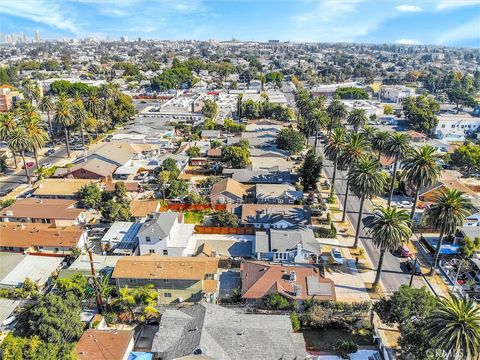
(37,36)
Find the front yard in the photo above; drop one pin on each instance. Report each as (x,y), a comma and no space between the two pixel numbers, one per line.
(326,339)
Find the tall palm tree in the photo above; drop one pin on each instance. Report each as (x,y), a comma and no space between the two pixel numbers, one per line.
(397,147)
(37,137)
(80,116)
(125,302)
(379,142)
(93,105)
(63,116)
(30,89)
(163,178)
(357,118)
(356,148)
(7,125)
(317,121)
(337,112)
(455,327)
(369,132)
(47,105)
(335,144)
(446,214)
(19,142)
(420,170)
(389,228)
(366,181)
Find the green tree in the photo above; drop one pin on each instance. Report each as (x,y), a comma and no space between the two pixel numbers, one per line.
(469,246)
(290,140)
(446,214)
(420,112)
(455,327)
(210,109)
(388,110)
(77,285)
(90,195)
(357,119)
(466,157)
(170,165)
(224,219)
(80,116)
(277,302)
(47,105)
(37,137)
(337,112)
(389,229)
(194,151)
(461,98)
(163,178)
(236,157)
(366,181)
(120,193)
(311,170)
(351,93)
(420,170)
(397,147)
(19,142)
(63,116)
(379,142)
(115,211)
(177,189)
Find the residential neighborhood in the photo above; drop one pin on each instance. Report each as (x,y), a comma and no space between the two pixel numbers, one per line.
(164,199)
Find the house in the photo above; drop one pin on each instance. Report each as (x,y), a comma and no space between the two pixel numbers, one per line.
(296,283)
(248,176)
(141,209)
(294,245)
(214,154)
(277,194)
(387,163)
(210,134)
(164,234)
(208,331)
(59,188)
(270,163)
(40,238)
(95,169)
(454,127)
(105,344)
(227,191)
(57,212)
(265,216)
(395,93)
(104,264)
(121,238)
(416,136)
(177,279)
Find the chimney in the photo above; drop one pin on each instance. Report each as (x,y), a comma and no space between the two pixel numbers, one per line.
(299,250)
(298,290)
(293,276)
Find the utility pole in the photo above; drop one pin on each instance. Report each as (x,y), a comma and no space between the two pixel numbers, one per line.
(96,286)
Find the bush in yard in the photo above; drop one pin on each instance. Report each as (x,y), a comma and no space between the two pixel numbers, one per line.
(295,322)
(224,219)
(345,347)
(276,301)
(326,233)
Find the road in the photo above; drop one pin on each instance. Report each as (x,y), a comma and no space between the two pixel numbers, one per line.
(289,90)
(392,274)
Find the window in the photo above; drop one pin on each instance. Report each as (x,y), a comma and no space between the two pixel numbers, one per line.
(132,281)
(167,295)
(56,250)
(209,276)
(165,252)
(151,251)
(280,201)
(147,239)
(165,280)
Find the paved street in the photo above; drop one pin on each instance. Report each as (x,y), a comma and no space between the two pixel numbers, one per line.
(392,275)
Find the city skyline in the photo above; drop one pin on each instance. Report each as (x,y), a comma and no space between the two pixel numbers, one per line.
(440,22)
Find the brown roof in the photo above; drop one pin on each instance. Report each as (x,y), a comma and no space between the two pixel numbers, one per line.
(141,208)
(230,185)
(217,152)
(95,166)
(42,209)
(260,278)
(103,344)
(131,186)
(416,134)
(154,266)
(61,187)
(25,235)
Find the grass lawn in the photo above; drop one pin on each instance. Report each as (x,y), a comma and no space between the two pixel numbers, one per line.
(325,339)
(194,217)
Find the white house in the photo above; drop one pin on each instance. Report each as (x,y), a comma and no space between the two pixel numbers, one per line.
(454,127)
(395,93)
(164,234)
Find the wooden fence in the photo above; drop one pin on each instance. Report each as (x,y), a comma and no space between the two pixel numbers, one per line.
(224,230)
(193,207)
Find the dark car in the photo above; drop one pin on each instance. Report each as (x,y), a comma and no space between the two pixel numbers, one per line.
(413,268)
(50,152)
(403,251)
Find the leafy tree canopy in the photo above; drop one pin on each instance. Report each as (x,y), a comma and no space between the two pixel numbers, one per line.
(290,140)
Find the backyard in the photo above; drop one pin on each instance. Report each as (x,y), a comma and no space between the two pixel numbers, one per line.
(326,339)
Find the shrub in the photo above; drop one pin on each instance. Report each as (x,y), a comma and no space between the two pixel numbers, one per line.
(345,347)
(326,233)
(276,301)
(295,321)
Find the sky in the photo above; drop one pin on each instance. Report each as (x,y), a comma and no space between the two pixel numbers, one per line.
(439,22)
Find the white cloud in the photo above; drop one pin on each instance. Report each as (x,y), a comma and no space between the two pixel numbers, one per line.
(409,8)
(40,11)
(408,42)
(468,31)
(449,4)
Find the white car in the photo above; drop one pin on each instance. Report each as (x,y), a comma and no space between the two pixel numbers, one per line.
(404,204)
(337,256)
(47,165)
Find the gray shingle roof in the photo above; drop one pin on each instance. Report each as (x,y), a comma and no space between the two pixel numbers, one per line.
(160,225)
(282,240)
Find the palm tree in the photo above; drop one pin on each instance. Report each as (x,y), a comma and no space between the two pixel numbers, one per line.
(37,137)
(18,141)
(454,326)
(317,121)
(337,112)
(109,92)
(369,132)
(7,125)
(125,302)
(379,142)
(366,181)
(333,149)
(163,177)
(63,116)
(30,89)
(397,147)
(389,228)
(93,105)
(357,118)
(420,170)
(47,106)
(356,148)
(446,214)
(80,116)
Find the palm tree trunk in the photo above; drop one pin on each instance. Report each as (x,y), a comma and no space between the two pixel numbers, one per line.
(83,137)
(360,213)
(379,269)
(25,167)
(66,140)
(437,253)
(14,159)
(35,155)
(316,140)
(334,171)
(379,155)
(345,203)
(394,177)
(52,134)
(412,213)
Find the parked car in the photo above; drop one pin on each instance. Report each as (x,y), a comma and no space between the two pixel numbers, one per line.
(413,267)
(404,204)
(403,251)
(50,152)
(29,165)
(337,256)
(77,147)
(47,165)
(142,175)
